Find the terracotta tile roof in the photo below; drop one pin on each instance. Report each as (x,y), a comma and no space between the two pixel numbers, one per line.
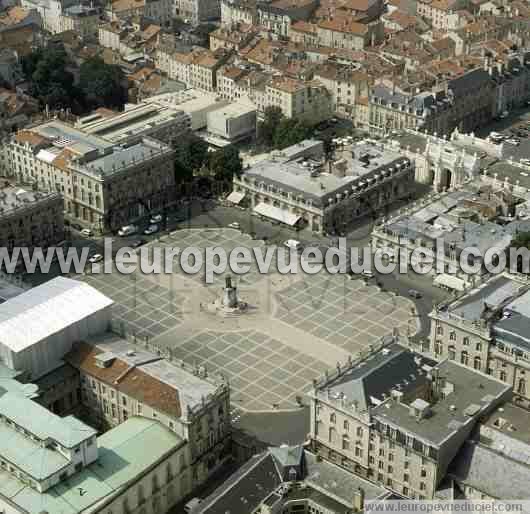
(287,85)
(151,31)
(135,382)
(356,5)
(344,25)
(14,16)
(106,113)
(62,161)
(208,61)
(363,100)
(401,18)
(25,136)
(304,26)
(233,72)
(126,5)
(141,74)
(443,44)
(83,357)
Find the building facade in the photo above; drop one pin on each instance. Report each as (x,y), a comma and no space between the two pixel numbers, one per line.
(297,186)
(30,219)
(120,380)
(399,429)
(103,184)
(487,330)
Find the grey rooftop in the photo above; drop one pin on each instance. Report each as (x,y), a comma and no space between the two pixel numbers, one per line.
(69,432)
(472,395)
(368,383)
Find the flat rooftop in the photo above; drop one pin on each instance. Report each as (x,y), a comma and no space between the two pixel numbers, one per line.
(492,294)
(472,393)
(64,135)
(134,121)
(124,157)
(291,171)
(12,198)
(514,173)
(465,234)
(122,457)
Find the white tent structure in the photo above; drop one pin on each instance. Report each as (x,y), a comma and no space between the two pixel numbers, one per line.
(38,327)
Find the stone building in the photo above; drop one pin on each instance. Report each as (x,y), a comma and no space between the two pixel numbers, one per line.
(120,380)
(398,419)
(464,103)
(487,329)
(239,11)
(30,219)
(298,187)
(104,185)
(278,15)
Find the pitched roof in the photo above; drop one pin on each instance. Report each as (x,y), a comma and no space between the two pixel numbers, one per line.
(127,378)
(344,25)
(304,26)
(491,472)
(25,319)
(25,136)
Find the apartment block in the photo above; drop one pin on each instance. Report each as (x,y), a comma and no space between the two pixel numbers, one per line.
(487,329)
(298,187)
(120,380)
(398,418)
(103,184)
(30,218)
(52,464)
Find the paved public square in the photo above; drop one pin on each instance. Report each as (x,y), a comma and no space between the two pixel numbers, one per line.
(296,326)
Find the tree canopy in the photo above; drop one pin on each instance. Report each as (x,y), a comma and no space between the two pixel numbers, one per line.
(50,82)
(277,131)
(225,163)
(101,83)
(191,154)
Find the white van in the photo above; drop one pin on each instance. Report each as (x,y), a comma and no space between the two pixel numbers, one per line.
(127,230)
(191,505)
(293,244)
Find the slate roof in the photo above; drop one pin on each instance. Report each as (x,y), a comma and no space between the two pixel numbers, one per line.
(491,473)
(380,373)
(245,489)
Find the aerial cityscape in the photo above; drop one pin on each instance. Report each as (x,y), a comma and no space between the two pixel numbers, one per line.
(264,256)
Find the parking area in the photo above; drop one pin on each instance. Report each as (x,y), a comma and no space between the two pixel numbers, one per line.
(296,327)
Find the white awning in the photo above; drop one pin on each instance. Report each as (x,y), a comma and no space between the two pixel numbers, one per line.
(235,197)
(450,282)
(277,214)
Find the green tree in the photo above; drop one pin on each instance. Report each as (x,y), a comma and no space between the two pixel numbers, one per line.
(101,83)
(49,81)
(191,154)
(225,163)
(289,132)
(266,129)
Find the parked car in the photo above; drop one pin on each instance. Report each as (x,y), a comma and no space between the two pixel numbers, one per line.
(235,225)
(514,142)
(151,229)
(414,294)
(95,258)
(127,230)
(157,218)
(293,244)
(367,273)
(526,162)
(87,232)
(137,242)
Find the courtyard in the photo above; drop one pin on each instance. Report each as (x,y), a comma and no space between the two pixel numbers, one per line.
(295,328)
